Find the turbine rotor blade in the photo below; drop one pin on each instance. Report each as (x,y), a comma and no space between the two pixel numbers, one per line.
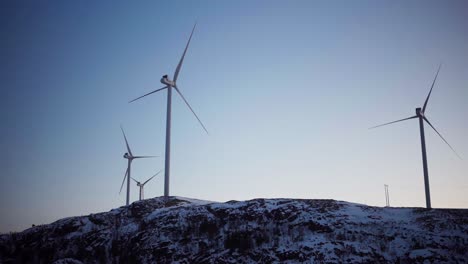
(134,179)
(126,173)
(176,73)
(152,177)
(394,122)
(148,94)
(126,142)
(425,119)
(143,157)
(430,91)
(183,98)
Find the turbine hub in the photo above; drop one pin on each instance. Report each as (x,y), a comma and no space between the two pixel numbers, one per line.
(126,155)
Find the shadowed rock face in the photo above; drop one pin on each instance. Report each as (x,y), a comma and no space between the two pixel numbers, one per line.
(262,230)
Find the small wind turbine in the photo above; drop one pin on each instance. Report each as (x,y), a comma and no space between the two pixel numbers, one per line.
(169,84)
(129,156)
(420,114)
(142,185)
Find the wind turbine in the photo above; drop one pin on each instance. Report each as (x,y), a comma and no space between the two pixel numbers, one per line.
(169,85)
(129,156)
(142,185)
(420,114)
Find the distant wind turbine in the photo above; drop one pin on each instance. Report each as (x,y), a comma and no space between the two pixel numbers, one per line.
(129,156)
(169,84)
(420,114)
(142,185)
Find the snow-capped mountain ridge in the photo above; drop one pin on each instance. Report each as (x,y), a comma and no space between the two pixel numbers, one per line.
(185,230)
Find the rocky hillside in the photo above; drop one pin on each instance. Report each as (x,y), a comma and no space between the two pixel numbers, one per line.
(257,231)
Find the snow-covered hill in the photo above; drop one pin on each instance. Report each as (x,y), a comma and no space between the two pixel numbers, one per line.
(257,231)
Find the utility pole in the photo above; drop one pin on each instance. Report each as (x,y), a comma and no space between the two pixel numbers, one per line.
(387,196)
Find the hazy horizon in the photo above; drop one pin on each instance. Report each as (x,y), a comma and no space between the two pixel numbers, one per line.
(287,91)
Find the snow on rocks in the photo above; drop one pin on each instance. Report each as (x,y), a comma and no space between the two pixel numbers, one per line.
(183,230)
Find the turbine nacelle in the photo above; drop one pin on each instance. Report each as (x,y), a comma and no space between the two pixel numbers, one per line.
(127,156)
(419,112)
(165,80)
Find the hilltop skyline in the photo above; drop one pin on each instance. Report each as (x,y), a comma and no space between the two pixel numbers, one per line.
(287,91)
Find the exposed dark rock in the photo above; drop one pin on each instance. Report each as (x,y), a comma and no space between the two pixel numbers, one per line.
(163,230)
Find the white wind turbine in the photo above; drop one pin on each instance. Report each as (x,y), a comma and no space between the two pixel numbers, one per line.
(142,185)
(129,156)
(422,117)
(169,85)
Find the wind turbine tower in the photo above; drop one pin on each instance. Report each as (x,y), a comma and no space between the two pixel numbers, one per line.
(421,115)
(169,85)
(142,185)
(129,156)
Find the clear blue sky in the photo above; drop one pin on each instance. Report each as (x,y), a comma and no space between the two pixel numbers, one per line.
(287,90)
